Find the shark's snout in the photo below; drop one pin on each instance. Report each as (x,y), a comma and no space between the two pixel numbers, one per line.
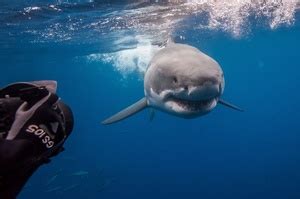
(204,91)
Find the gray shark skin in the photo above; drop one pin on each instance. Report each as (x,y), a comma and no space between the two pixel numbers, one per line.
(182,81)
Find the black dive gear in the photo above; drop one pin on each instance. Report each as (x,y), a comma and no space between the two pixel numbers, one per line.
(34,124)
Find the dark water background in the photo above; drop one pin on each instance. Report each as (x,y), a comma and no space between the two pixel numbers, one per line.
(225,154)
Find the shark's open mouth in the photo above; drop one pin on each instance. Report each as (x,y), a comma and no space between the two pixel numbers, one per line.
(183,103)
(192,105)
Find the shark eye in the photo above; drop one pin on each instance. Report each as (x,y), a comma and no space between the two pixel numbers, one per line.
(175,80)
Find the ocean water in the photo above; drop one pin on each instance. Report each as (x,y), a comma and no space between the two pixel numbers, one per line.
(98,52)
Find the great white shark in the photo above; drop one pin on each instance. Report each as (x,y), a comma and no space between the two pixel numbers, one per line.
(180,80)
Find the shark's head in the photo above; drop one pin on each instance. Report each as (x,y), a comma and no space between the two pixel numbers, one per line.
(183,81)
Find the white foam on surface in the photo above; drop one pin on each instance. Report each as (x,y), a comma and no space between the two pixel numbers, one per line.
(158,20)
(151,23)
(129,60)
(30,9)
(228,15)
(233,15)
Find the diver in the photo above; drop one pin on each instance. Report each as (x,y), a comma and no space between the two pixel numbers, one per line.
(34,124)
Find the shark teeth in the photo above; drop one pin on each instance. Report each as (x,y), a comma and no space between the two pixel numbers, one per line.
(193,105)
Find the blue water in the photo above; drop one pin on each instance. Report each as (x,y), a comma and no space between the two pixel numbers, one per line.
(225,154)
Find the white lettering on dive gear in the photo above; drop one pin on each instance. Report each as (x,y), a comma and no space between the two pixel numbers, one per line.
(42,134)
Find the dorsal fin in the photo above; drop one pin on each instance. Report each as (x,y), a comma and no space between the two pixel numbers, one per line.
(170,41)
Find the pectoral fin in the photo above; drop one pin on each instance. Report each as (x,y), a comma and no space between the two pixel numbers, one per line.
(127,112)
(230,105)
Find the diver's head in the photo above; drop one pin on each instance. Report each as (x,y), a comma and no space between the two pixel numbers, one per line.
(38,100)
(34,124)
